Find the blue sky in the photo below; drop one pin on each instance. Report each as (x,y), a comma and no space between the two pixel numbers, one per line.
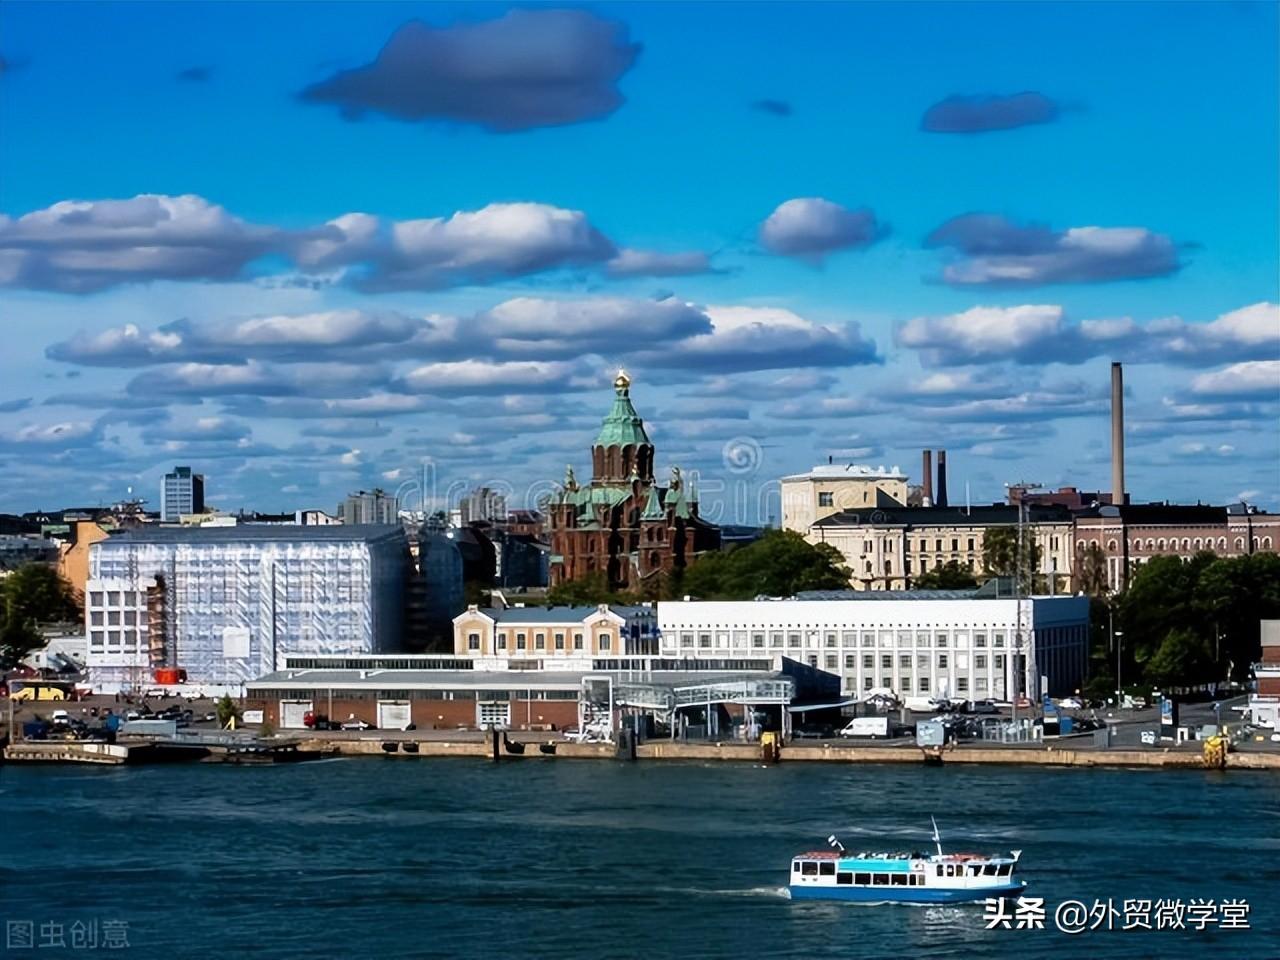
(808,230)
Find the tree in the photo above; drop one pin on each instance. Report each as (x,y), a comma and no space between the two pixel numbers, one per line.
(585,592)
(1231,595)
(226,709)
(952,575)
(780,564)
(1001,558)
(1182,658)
(35,593)
(1091,573)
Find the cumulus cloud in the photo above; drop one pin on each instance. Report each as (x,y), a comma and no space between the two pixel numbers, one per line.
(811,228)
(527,325)
(982,334)
(526,69)
(497,241)
(471,377)
(255,378)
(46,437)
(987,112)
(1252,380)
(650,263)
(1040,333)
(990,250)
(14,406)
(765,338)
(84,246)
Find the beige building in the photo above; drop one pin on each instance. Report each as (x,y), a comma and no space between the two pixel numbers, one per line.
(536,633)
(886,548)
(73,555)
(830,489)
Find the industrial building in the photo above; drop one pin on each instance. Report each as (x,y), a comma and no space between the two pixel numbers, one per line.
(925,643)
(225,604)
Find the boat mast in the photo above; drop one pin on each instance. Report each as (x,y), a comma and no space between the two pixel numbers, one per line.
(936,839)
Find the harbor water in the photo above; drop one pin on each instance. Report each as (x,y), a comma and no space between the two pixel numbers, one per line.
(370,858)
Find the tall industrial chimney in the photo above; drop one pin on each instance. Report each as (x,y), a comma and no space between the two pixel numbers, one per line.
(926,474)
(942,479)
(1117,434)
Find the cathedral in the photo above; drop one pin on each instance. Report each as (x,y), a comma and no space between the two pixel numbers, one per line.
(622,524)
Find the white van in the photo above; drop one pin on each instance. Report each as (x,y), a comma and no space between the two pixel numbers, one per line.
(866,727)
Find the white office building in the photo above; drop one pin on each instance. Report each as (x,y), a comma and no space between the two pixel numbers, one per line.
(926,643)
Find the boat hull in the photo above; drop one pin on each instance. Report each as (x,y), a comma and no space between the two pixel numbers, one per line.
(892,895)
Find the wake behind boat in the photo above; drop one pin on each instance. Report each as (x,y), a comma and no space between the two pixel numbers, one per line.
(905,877)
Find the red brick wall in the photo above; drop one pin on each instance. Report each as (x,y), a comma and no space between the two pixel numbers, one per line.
(435,714)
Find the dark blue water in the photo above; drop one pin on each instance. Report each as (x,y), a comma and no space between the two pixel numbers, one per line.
(363,858)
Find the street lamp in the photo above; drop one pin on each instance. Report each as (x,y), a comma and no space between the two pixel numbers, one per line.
(1119,635)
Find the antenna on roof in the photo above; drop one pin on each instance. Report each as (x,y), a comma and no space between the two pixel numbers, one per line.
(936,839)
(835,843)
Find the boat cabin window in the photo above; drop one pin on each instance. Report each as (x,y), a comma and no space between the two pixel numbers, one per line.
(899,880)
(1005,869)
(795,866)
(862,879)
(827,868)
(974,870)
(845,878)
(939,869)
(880,879)
(989,870)
(810,868)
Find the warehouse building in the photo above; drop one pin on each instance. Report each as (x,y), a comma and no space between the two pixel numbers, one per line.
(226,604)
(923,643)
(723,697)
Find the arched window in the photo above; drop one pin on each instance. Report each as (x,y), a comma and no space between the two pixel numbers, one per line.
(1151,544)
(1111,545)
(1266,543)
(1239,543)
(1199,543)
(1160,544)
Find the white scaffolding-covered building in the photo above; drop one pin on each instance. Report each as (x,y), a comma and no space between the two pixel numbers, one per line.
(225,604)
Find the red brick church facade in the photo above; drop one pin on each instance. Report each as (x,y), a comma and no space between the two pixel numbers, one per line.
(622,524)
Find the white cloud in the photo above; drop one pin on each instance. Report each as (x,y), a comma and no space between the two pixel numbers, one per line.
(1257,379)
(981,333)
(650,263)
(82,246)
(812,227)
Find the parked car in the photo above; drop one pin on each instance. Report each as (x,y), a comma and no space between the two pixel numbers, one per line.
(355,723)
(813,731)
(1071,703)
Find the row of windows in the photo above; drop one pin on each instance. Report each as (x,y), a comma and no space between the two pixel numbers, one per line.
(1186,543)
(540,641)
(922,545)
(321,695)
(706,640)
(827,868)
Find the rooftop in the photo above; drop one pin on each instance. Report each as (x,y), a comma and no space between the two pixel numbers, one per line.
(480,679)
(559,614)
(253,533)
(830,471)
(996,514)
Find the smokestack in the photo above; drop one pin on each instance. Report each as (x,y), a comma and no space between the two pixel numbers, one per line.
(942,479)
(926,472)
(1117,434)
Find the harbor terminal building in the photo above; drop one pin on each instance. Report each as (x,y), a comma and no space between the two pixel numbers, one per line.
(220,606)
(960,644)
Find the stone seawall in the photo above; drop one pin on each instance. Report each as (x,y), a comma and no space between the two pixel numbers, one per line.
(794,753)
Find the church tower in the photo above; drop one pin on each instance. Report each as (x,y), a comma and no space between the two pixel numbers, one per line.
(622,452)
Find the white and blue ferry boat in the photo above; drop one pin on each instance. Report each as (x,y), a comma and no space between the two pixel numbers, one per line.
(905,877)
